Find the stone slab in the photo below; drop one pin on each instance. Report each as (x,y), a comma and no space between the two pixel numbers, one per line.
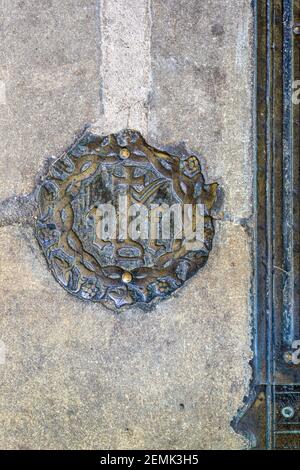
(49,62)
(77,375)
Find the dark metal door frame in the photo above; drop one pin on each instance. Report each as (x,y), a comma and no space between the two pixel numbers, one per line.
(271,416)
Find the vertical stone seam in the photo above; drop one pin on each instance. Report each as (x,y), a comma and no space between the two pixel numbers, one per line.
(150,81)
(99,7)
(125,69)
(5,62)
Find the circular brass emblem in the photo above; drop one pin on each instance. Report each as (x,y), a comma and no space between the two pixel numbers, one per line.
(105,180)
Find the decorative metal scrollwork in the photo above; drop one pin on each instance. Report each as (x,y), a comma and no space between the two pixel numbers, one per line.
(119,271)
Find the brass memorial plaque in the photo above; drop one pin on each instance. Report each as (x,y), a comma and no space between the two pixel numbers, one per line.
(121,222)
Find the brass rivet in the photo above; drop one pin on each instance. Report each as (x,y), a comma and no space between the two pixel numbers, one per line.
(288,357)
(296,29)
(288,412)
(124,153)
(127,277)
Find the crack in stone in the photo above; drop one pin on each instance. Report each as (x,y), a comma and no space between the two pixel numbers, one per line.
(18,209)
(246,222)
(23,208)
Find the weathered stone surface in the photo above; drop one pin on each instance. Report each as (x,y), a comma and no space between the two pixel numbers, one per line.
(77,375)
(50,67)
(125,65)
(202,88)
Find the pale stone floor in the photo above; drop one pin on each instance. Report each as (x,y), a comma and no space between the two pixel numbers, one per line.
(77,375)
